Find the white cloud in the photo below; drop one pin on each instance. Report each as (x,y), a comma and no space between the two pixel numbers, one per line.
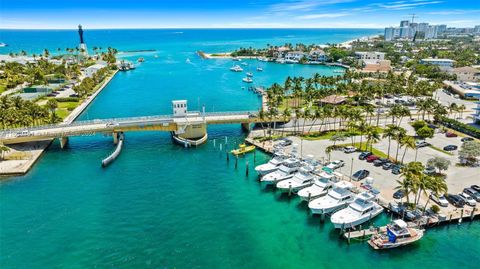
(322,15)
(304,5)
(400,5)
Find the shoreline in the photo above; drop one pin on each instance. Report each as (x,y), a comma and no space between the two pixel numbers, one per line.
(34,150)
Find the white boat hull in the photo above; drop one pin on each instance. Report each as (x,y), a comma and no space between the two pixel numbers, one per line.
(310,193)
(354,223)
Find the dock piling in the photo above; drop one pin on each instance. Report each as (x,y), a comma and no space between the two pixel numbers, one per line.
(246,169)
(214,143)
(322,217)
(473,213)
(236,161)
(461,217)
(228,157)
(309,196)
(290,190)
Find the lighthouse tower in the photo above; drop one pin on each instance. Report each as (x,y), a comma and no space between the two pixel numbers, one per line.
(82,46)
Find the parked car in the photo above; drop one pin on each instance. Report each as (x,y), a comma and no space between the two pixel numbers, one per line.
(433,126)
(387,165)
(429,170)
(455,200)
(421,144)
(360,174)
(372,158)
(474,194)
(285,142)
(335,164)
(450,148)
(440,200)
(397,169)
(476,188)
(349,149)
(364,155)
(380,161)
(399,194)
(450,134)
(466,139)
(467,199)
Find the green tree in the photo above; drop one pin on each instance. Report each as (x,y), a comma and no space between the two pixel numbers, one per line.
(439,163)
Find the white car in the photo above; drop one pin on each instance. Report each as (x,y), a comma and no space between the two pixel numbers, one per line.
(349,149)
(441,201)
(336,164)
(468,199)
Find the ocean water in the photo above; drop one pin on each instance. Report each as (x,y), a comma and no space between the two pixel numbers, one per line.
(163,206)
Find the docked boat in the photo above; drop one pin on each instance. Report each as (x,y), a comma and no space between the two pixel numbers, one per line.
(361,210)
(247,80)
(319,188)
(301,179)
(249,74)
(271,165)
(262,59)
(339,197)
(242,149)
(285,171)
(236,68)
(259,69)
(397,234)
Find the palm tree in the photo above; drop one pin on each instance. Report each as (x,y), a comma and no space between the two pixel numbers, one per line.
(372,137)
(286,115)
(438,186)
(408,142)
(389,132)
(400,134)
(3,149)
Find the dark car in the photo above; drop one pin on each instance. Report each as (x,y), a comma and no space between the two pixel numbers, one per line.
(399,194)
(372,158)
(380,161)
(473,193)
(364,155)
(450,148)
(466,139)
(450,134)
(360,174)
(455,200)
(387,165)
(396,171)
(476,188)
(433,126)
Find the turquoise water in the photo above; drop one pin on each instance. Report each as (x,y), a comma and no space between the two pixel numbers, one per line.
(162,206)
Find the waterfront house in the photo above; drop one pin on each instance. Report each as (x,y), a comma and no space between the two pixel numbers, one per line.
(280,52)
(89,71)
(294,56)
(466,73)
(317,55)
(443,64)
(369,56)
(333,100)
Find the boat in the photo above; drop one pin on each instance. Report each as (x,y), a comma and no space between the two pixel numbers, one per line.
(3,44)
(361,210)
(141,60)
(285,171)
(262,59)
(301,179)
(155,56)
(259,69)
(271,165)
(247,80)
(242,149)
(338,71)
(319,188)
(236,68)
(249,74)
(337,198)
(244,64)
(397,234)
(236,59)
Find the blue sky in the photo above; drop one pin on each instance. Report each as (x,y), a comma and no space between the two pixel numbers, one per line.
(66,14)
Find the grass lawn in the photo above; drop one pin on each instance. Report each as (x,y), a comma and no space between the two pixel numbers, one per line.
(319,136)
(375,151)
(68,105)
(62,113)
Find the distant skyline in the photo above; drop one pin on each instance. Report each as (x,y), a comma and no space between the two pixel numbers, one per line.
(109,14)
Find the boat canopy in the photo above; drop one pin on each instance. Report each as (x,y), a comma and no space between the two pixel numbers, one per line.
(400,223)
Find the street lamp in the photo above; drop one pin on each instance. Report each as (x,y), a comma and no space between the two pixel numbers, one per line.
(351,170)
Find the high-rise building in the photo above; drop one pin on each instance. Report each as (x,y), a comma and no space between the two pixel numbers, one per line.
(422,27)
(404,23)
(476,29)
(441,29)
(431,32)
(389,33)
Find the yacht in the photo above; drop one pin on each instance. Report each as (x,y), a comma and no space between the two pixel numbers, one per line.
(3,44)
(259,69)
(249,74)
(301,179)
(337,198)
(397,234)
(247,80)
(362,209)
(272,165)
(285,171)
(319,188)
(236,68)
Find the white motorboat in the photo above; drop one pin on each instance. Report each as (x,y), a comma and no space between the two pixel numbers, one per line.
(362,209)
(247,80)
(301,179)
(259,69)
(285,171)
(262,59)
(337,198)
(271,165)
(244,64)
(3,44)
(236,68)
(249,74)
(319,188)
(397,234)
(236,59)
